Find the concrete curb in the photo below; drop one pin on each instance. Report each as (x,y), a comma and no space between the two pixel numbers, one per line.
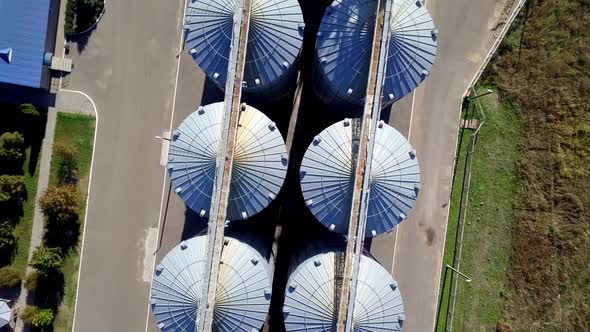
(81,244)
(499,39)
(44,170)
(104,7)
(475,78)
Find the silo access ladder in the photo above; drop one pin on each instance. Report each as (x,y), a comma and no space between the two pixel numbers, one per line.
(361,160)
(222,180)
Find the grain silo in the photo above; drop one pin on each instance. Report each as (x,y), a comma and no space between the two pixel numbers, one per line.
(326,176)
(344,49)
(312,288)
(259,166)
(243,288)
(275,38)
(5,313)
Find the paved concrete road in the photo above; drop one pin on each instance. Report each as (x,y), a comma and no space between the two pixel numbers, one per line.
(189,95)
(466,36)
(128,67)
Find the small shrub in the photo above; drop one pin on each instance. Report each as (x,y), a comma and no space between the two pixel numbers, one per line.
(11,160)
(9,277)
(38,317)
(28,313)
(87,12)
(68,167)
(60,204)
(81,15)
(44,317)
(46,260)
(12,140)
(31,280)
(29,109)
(66,151)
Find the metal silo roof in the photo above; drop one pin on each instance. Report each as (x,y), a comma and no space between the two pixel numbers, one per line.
(243,287)
(327,181)
(274,40)
(344,48)
(412,49)
(310,294)
(5,313)
(259,167)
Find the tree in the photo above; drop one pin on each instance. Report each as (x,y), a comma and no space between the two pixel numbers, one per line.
(9,277)
(12,152)
(12,140)
(11,160)
(38,317)
(46,260)
(7,239)
(60,203)
(12,188)
(70,17)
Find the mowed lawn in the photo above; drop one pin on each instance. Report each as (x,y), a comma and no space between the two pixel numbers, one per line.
(77,130)
(489,217)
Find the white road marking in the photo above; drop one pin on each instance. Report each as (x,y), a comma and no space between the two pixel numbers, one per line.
(87,201)
(148,261)
(411,114)
(165,148)
(409,132)
(147,318)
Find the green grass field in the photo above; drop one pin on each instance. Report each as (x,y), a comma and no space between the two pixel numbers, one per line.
(22,230)
(489,217)
(453,222)
(79,131)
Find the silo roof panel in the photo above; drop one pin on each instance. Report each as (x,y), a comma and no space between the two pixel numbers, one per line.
(345,43)
(412,49)
(243,288)
(310,295)
(259,167)
(5,313)
(274,40)
(327,182)
(344,46)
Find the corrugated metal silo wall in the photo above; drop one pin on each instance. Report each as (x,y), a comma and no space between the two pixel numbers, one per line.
(341,64)
(275,40)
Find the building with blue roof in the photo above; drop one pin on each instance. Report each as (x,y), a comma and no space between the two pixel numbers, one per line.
(25,52)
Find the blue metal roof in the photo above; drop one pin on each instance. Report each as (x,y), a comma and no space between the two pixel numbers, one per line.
(344,46)
(327,181)
(274,41)
(23,28)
